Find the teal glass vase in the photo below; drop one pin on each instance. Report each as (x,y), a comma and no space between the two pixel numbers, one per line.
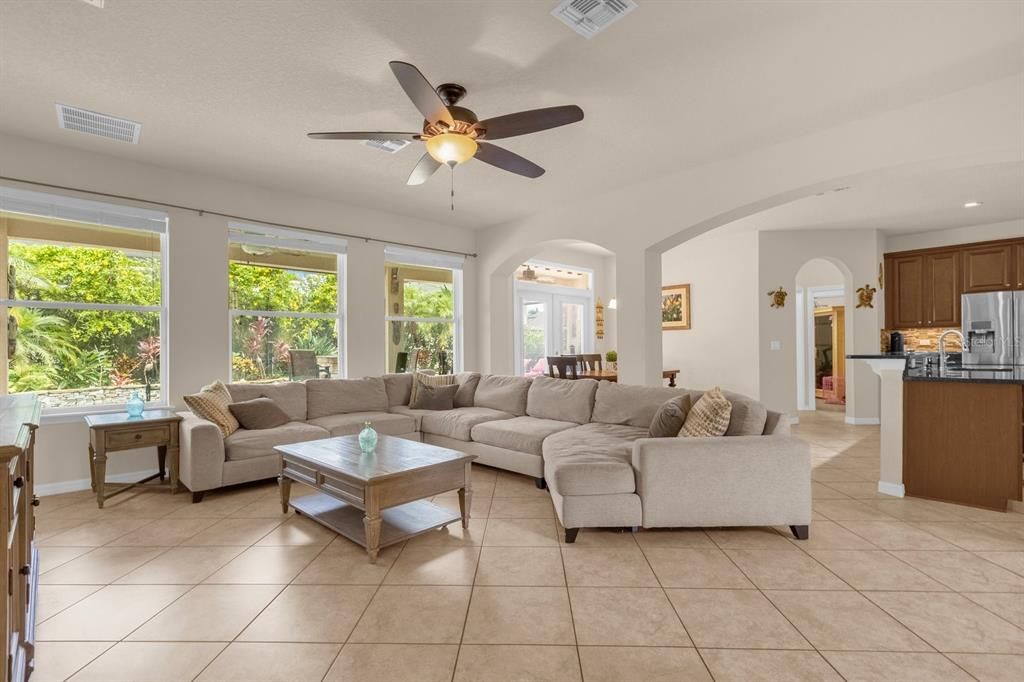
(367,438)
(136,405)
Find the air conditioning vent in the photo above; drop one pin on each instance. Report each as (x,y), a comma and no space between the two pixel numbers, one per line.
(590,17)
(93,123)
(389,146)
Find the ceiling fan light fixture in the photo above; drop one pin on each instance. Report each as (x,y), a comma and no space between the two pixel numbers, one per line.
(451,148)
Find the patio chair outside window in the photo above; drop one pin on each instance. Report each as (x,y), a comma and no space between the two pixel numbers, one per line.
(302,364)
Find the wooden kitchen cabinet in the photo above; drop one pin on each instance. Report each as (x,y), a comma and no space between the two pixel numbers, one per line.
(989,267)
(923,287)
(905,275)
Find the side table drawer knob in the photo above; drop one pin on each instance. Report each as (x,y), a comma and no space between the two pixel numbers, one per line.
(138,436)
(35,500)
(18,482)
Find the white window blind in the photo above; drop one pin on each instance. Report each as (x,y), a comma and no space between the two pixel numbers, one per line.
(432,259)
(284,238)
(81,210)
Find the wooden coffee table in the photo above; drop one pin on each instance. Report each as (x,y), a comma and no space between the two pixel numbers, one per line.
(378,499)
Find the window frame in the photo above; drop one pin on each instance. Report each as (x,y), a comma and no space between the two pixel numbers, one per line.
(555,294)
(66,208)
(440,261)
(280,237)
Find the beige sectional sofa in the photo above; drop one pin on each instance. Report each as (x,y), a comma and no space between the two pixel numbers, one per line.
(586,441)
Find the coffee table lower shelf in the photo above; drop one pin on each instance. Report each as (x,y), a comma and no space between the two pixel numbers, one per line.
(399,523)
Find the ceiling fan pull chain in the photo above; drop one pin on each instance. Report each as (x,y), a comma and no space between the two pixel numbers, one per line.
(452,166)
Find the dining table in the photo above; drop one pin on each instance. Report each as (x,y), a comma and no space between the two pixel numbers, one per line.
(613,375)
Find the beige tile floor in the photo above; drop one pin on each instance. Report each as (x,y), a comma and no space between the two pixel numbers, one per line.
(155,588)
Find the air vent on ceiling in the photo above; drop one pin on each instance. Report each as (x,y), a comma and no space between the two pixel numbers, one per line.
(590,17)
(389,146)
(94,3)
(93,123)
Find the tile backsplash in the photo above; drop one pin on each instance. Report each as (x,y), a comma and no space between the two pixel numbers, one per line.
(924,340)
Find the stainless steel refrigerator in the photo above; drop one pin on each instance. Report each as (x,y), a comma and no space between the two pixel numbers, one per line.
(993,328)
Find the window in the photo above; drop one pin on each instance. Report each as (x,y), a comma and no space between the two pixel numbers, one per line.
(84,299)
(286,304)
(424,310)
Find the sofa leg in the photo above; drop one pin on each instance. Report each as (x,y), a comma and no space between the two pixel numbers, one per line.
(801,532)
(570,535)
(541,483)
(198,497)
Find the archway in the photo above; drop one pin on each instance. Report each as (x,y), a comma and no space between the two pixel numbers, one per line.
(821,332)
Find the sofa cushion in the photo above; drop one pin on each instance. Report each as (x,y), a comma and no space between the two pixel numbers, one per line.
(503,393)
(633,405)
(434,397)
(352,423)
(592,459)
(670,417)
(212,403)
(415,415)
(468,381)
(246,444)
(290,396)
(398,387)
(258,413)
(561,400)
(522,434)
(458,423)
(748,416)
(342,396)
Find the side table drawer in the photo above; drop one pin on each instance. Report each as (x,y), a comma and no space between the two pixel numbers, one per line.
(137,438)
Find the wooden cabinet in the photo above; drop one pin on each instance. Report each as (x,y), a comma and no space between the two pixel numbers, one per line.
(906,282)
(989,267)
(942,289)
(19,416)
(923,287)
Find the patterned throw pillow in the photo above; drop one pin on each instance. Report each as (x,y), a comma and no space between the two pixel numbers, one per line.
(430,380)
(669,419)
(211,404)
(709,416)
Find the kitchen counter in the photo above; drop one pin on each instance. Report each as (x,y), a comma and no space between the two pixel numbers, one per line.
(957,374)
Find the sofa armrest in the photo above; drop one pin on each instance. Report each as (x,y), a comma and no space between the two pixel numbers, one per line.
(727,481)
(201,453)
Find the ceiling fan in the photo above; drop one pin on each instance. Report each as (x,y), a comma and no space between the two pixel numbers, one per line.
(454,135)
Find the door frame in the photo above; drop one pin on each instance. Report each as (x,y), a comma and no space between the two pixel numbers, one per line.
(805,341)
(553,295)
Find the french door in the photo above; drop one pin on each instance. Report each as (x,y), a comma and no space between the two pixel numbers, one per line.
(549,323)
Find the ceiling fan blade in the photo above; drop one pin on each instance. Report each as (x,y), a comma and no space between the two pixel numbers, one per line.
(506,160)
(425,167)
(525,122)
(376,135)
(421,92)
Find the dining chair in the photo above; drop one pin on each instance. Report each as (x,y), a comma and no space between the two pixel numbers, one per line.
(567,366)
(590,362)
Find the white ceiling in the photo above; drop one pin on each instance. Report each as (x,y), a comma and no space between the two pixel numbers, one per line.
(230,88)
(905,202)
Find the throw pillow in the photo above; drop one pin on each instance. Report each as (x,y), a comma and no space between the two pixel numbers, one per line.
(467,382)
(258,413)
(211,404)
(434,397)
(709,416)
(669,419)
(421,378)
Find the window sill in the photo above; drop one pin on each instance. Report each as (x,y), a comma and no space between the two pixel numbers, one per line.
(80,415)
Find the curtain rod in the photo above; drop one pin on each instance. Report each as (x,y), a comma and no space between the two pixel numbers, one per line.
(202,211)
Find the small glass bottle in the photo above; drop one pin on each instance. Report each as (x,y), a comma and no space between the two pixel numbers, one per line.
(135,406)
(367,438)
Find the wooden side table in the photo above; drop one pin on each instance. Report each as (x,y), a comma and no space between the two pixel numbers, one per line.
(118,432)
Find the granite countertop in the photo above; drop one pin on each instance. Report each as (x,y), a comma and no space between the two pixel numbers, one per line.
(880,356)
(976,376)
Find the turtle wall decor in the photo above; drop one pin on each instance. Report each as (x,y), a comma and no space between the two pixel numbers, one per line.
(778,297)
(866,296)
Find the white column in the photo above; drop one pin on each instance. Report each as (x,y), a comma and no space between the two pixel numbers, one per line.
(638,289)
(890,371)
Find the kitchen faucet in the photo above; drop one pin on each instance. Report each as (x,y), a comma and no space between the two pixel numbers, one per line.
(942,346)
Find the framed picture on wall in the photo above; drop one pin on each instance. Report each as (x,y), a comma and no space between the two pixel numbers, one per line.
(675,307)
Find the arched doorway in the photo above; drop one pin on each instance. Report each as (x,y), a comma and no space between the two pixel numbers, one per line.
(821,315)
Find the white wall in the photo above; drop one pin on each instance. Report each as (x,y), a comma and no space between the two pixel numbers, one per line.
(781,256)
(720,348)
(961,235)
(819,273)
(197,339)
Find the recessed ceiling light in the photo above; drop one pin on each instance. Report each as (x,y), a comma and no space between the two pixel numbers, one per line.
(972,204)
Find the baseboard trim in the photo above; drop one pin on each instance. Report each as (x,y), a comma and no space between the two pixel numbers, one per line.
(862,421)
(60,487)
(794,419)
(894,489)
